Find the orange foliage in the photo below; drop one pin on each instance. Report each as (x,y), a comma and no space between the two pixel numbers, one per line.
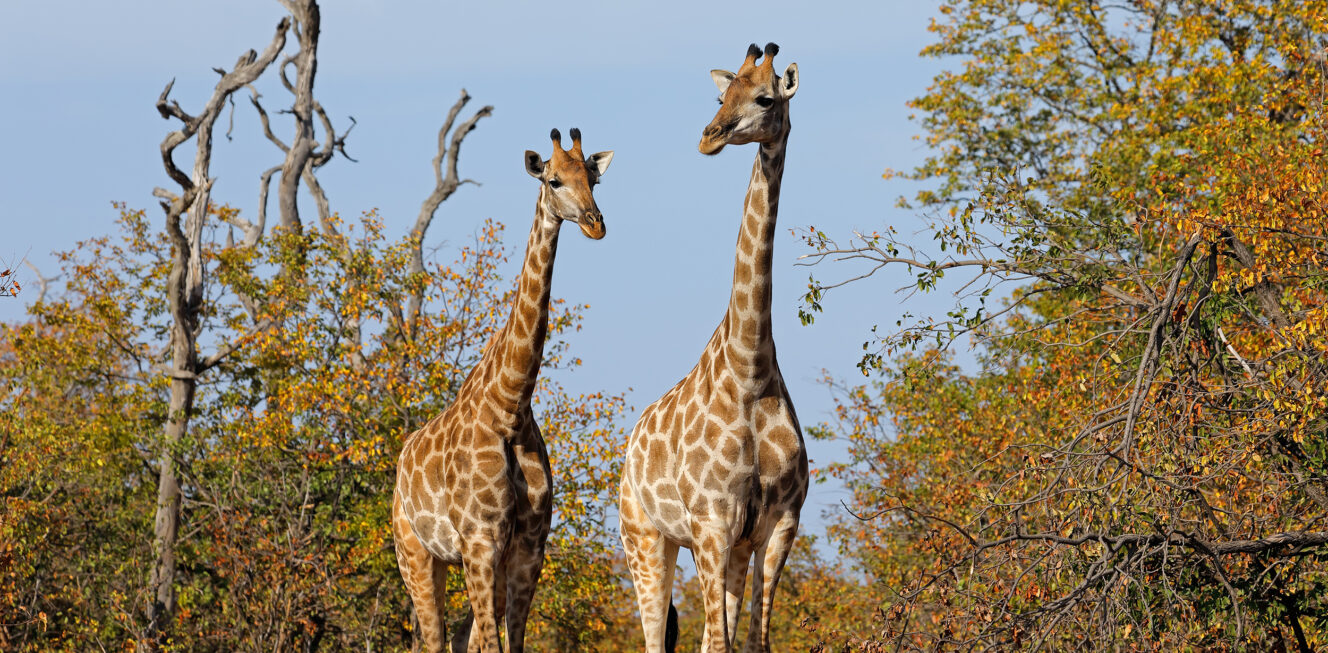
(288,467)
(1139,459)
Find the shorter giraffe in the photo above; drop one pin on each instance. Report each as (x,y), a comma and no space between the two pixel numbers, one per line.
(473,486)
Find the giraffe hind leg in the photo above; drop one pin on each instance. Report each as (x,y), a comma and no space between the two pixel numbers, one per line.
(523,570)
(671,630)
(461,638)
(711,554)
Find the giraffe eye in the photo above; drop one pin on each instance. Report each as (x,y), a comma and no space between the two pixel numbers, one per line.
(765,102)
(555,184)
(720,99)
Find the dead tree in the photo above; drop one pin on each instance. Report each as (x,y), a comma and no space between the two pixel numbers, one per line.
(187,213)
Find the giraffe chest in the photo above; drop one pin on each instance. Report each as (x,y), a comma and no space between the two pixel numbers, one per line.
(456,483)
(720,462)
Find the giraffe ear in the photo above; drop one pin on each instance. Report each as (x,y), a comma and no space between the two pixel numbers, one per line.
(788,85)
(534,164)
(722,79)
(601,160)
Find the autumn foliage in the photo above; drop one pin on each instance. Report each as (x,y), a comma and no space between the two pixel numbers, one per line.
(1133,197)
(289,465)
(1127,201)
(9,286)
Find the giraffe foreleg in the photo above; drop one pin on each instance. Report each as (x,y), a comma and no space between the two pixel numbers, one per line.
(651,558)
(710,551)
(486,586)
(769,562)
(425,577)
(735,582)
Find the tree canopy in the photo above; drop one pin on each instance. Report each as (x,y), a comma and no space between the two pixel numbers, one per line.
(1132,194)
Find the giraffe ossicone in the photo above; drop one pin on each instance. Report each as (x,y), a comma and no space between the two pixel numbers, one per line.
(717,464)
(473,485)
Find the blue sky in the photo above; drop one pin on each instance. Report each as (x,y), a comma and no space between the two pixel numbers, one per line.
(79,131)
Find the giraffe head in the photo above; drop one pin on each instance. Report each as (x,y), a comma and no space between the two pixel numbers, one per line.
(753,102)
(569,180)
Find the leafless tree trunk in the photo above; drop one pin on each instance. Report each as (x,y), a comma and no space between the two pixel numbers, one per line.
(307,25)
(185,298)
(186,216)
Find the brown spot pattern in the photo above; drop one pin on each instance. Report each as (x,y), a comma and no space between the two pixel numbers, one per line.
(720,456)
(474,486)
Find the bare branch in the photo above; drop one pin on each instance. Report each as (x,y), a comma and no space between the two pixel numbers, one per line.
(446,182)
(1232,351)
(320,200)
(1146,362)
(303,152)
(267,125)
(253,232)
(43,283)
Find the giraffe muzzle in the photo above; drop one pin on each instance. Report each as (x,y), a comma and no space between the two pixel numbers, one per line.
(592,225)
(713,138)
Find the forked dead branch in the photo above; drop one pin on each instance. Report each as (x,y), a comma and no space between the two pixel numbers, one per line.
(190,215)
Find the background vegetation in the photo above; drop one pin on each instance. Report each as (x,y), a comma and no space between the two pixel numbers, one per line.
(1127,200)
(1132,196)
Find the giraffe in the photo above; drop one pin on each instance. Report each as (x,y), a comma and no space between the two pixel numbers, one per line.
(473,485)
(717,464)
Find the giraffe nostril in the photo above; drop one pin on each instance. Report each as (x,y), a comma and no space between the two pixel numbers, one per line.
(719,130)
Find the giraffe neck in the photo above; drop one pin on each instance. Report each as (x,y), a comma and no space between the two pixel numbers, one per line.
(750,342)
(519,346)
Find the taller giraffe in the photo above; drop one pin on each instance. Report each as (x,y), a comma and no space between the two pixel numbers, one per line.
(473,486)
(717,464)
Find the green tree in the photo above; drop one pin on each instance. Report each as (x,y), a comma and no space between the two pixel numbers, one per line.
(1140,458)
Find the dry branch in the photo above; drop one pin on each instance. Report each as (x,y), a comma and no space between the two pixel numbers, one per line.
(43,283)
(446,181)
(185,298)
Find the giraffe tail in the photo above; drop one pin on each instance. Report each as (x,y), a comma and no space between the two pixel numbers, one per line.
(671,630)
